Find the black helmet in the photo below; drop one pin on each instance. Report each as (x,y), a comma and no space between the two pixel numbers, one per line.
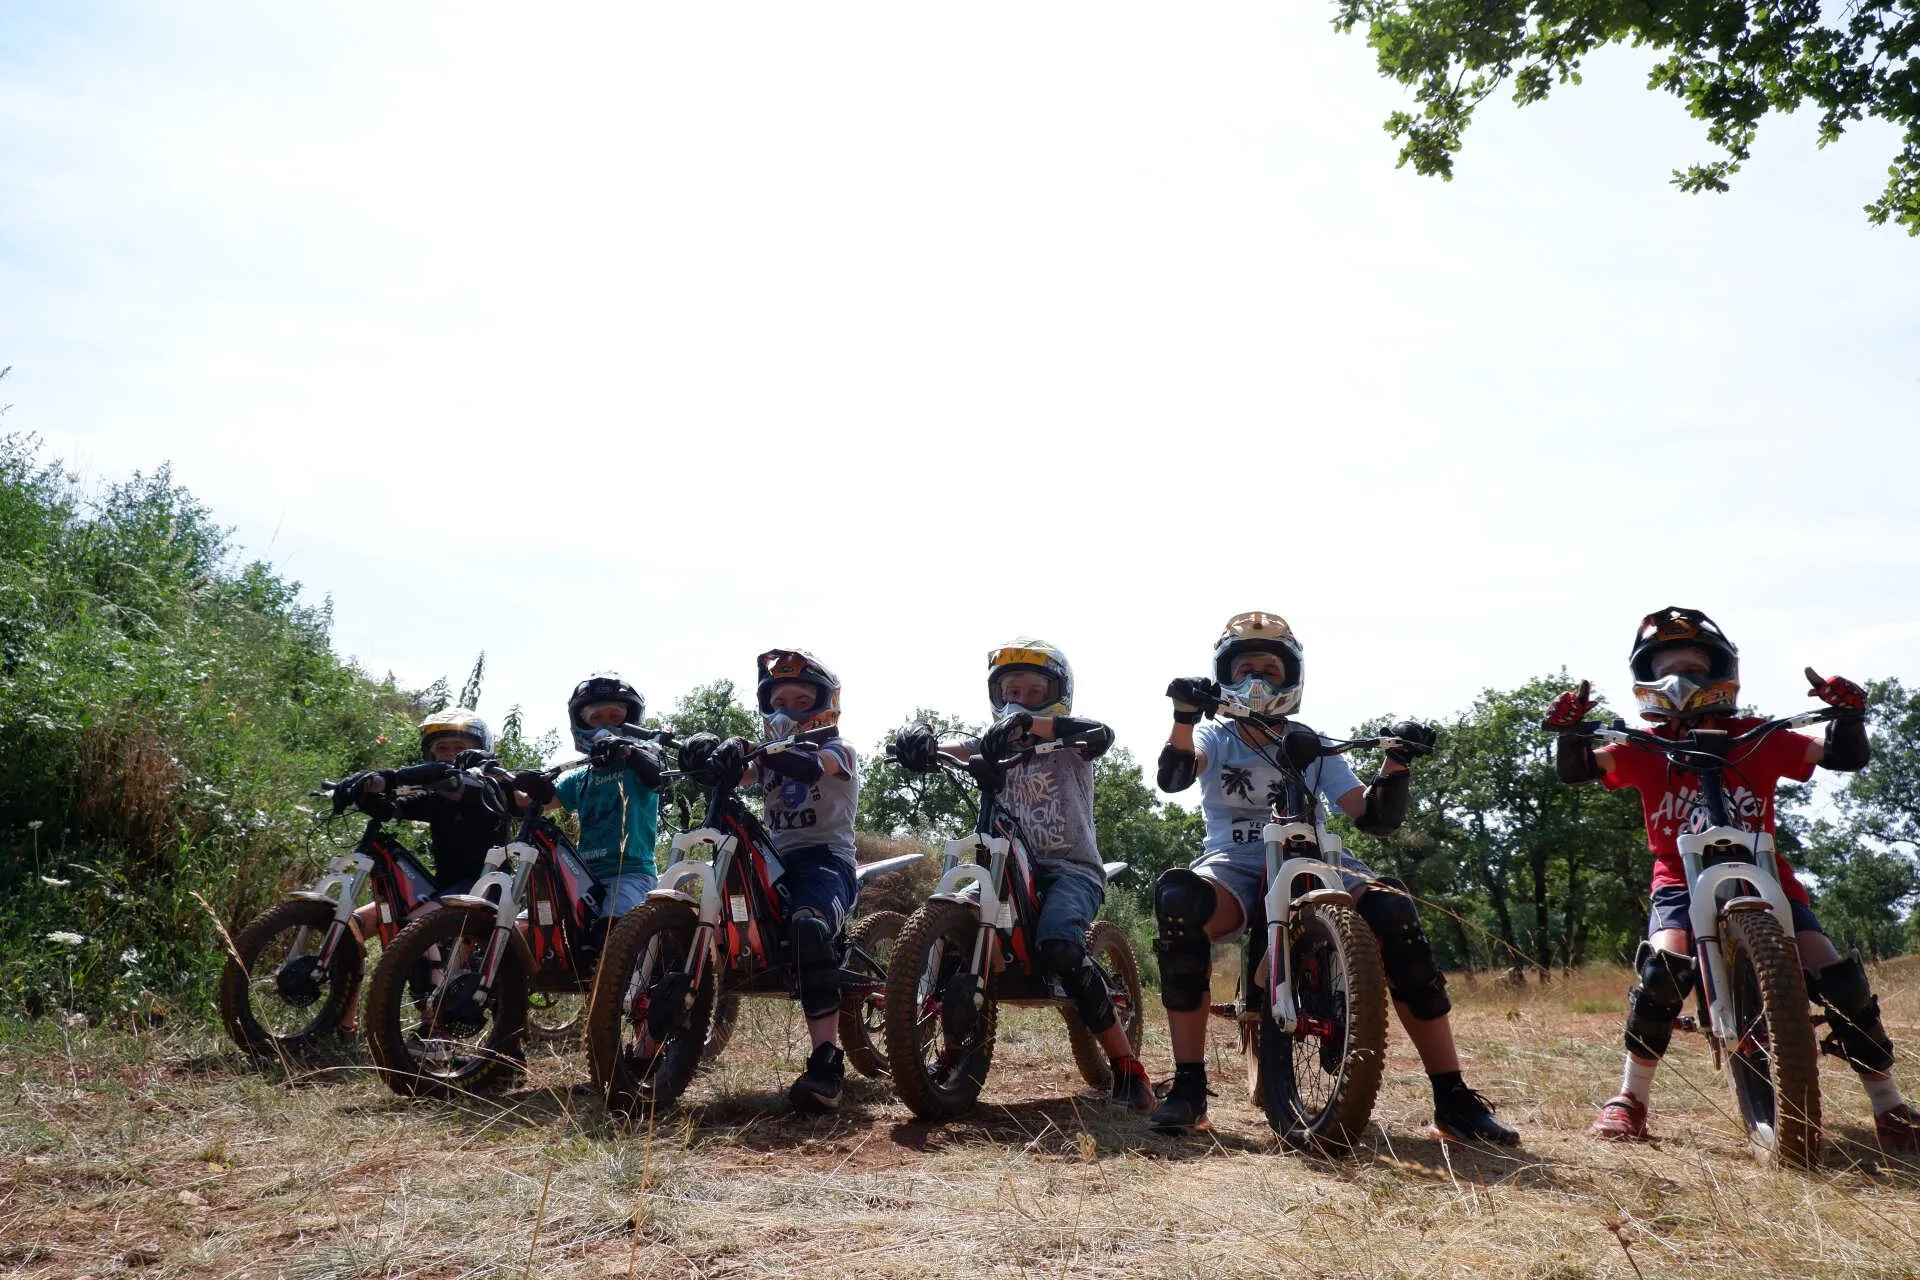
(1677,697)
(602,686)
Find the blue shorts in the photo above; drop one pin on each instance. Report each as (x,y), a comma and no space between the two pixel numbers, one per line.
(1068,904)
(623,892)
(1671,903)
(818,879)
(1243,873)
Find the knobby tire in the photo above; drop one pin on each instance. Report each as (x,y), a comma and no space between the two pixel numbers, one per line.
(1318,1092)
(239,978)
(649,943)
(938,937)
(1774,1062)
(494,1059)
(863,1018)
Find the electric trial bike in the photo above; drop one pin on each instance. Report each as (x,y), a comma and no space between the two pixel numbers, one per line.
(1752,994)
(970,948)
(294,971)
(447,1009)
(1312,1001)
(713,930)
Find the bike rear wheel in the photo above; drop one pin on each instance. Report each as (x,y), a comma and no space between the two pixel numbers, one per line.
(647,1022)
(428,1028)
(1319,1082)
(555,1018)
(1773,1062)
(939,1054)
(1113,956)
(274,996)
(863,1018)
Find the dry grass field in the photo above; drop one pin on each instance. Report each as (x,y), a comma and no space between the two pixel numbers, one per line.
(163,1154)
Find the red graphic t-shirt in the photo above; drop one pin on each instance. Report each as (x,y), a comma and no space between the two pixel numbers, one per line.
(1670,795)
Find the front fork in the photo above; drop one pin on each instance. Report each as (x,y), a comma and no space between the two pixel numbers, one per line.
(339,888)
(1705,912)
(1306,846)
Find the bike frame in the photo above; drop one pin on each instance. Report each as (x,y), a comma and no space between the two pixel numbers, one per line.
(1722,857)
(400,887)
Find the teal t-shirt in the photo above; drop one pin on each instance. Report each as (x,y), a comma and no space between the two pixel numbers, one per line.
(619,819)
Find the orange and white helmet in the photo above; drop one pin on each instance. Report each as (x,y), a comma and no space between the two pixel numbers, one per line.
(1039,658)
(1684,695)
(1260,632)
(781,666)
(458,720)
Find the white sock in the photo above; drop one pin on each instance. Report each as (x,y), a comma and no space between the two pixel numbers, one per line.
(1884,1094)
(1637,1079)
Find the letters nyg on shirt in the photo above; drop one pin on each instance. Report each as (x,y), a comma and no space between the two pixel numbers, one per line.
(815,813)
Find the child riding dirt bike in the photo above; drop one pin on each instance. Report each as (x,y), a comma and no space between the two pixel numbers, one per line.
(1030,686)
(1258,663)
(811,791)
(1686,676)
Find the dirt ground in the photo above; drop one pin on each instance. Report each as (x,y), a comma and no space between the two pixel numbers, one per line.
(164,1154)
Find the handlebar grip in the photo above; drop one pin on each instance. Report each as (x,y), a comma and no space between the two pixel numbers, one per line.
(429,771)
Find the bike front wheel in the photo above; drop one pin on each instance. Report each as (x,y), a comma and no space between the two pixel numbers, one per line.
(275,998)
(1319,1081)
(648,1019)
(940,1020)
(863,1018)
(430,1027)
(1773,1062)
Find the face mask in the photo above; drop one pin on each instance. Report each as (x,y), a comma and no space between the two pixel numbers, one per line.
(780,725)
(1251,690)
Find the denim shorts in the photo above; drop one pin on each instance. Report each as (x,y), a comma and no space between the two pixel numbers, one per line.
(621,893)
(1068,904)
(818,879)
(1243,872)
(1671,910)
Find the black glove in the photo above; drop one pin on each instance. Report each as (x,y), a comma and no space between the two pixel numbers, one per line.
(917,747)
(536,786)
(346,792)
(375,804)
(1005,732)
(1193,697)
(647,764)
(608,749)
(729,758)
(472,758)
(1419,739)
(696,751)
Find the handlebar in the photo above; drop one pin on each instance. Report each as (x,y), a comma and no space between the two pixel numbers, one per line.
(976,766)
(1687,748)
(1384,742)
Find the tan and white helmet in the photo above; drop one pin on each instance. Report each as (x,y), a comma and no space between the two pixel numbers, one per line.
(1040,658)
(1261,632)
(460,720)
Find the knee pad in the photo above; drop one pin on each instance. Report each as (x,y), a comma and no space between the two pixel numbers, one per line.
(1666,978)
(816,957)
(1853,1016)
(1069,962)
(1413,975)
(1182,905)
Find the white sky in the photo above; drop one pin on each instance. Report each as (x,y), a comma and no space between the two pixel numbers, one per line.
(650,336)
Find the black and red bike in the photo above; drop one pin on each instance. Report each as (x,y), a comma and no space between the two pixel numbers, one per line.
(294,970)
(715,929)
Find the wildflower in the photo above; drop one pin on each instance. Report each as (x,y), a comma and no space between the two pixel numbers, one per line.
(382,739)
(58,884)
(130,956)
(36,824)
(65,938)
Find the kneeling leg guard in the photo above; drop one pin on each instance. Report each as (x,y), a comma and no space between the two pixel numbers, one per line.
(1666,979)
(817,959)
(1413,975)
(1182,905)
(1853,1014)
(1069,962)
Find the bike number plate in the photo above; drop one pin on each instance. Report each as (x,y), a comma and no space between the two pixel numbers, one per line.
(737,905)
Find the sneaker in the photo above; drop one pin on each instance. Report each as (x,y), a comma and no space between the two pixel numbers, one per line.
(818,1088)
(1621,1119)
(1466,1116)
(1898,1129)
(1185,1109)
(1132,1091)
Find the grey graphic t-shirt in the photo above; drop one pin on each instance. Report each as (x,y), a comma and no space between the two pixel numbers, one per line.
(819,812)
(1051,797)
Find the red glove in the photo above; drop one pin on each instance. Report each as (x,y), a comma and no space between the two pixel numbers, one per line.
(1836,691)
(1570,708)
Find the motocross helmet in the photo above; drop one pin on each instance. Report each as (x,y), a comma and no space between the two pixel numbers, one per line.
(1040,658)
(1684,695)
(454,720)
(780,666)
(1259,632)
(602,686)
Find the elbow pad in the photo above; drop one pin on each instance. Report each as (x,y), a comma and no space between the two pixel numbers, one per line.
(1096,737)
(797,763)
(1176,768)
(1847,748)
(1387,797)
(1574,761)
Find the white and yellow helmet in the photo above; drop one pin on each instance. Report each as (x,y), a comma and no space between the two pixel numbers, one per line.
(1261,632)
(1041,658)
(460,720)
